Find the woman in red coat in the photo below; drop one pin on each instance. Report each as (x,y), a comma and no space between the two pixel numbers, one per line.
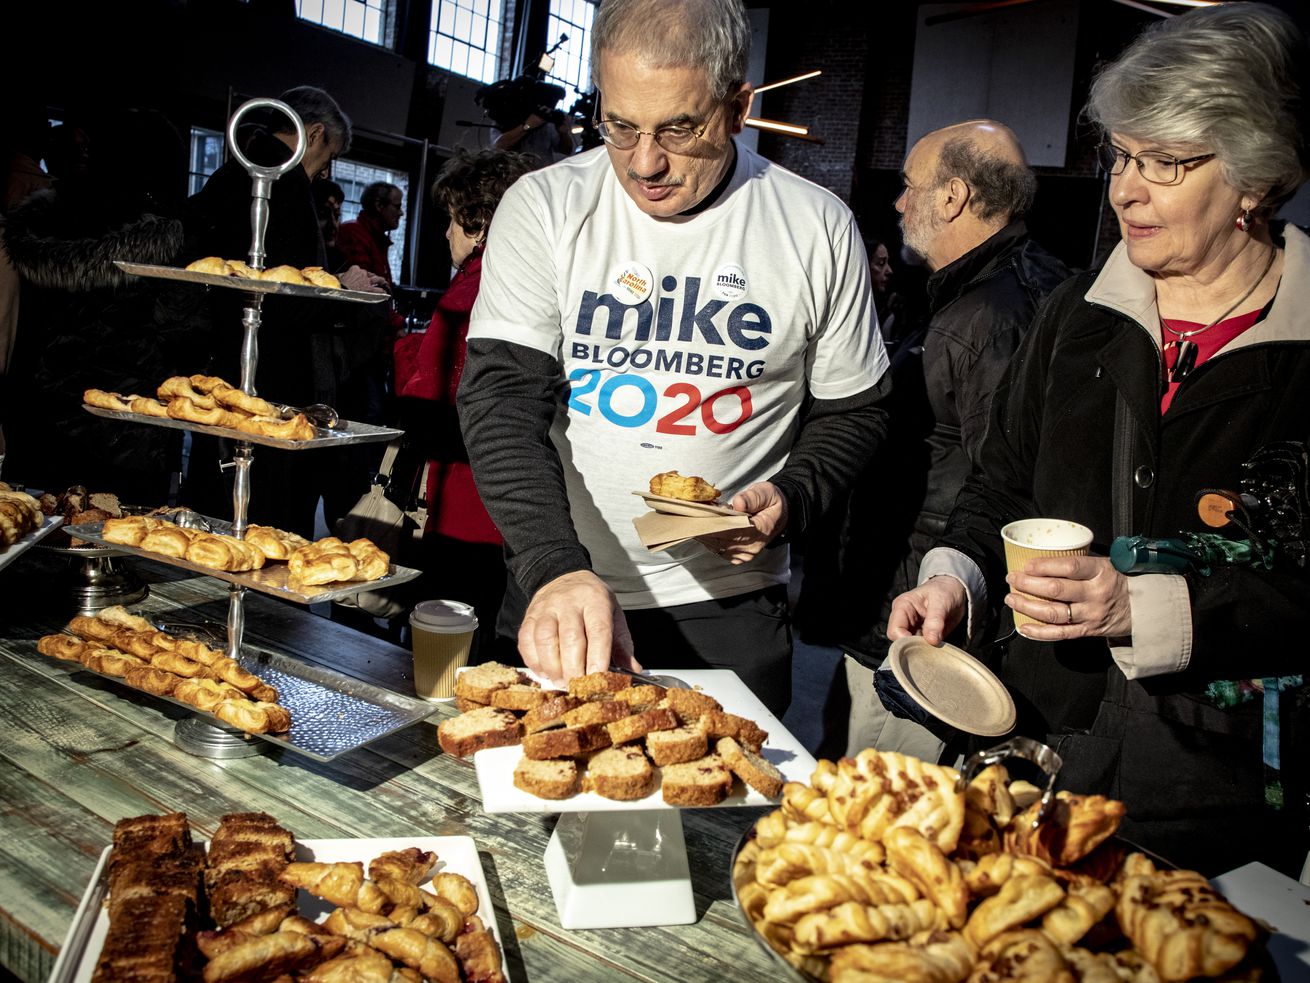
(464,560)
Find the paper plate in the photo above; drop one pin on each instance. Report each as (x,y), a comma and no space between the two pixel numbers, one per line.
(677,506)
(953,686)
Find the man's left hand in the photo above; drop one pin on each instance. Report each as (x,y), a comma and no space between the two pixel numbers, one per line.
(358,278)
(1073,597)
(768,514)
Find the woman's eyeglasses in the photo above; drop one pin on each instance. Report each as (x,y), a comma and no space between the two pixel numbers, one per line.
(1156,167)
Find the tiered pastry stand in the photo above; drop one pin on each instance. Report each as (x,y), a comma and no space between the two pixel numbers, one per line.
(624,864)
(194,734)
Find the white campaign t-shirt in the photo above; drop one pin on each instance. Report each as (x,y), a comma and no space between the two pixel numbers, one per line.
(688,344)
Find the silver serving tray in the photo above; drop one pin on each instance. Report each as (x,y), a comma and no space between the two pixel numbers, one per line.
(273,579)
(330,713)
(25,542)
(250,286)
(354,433)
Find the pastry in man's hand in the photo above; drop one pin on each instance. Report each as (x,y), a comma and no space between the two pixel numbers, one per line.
(284,274)
(210,264)
(689,488)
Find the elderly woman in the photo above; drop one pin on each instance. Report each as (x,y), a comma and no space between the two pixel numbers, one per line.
(1136,387)
(465,561)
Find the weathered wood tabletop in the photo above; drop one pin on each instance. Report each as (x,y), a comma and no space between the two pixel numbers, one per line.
(80,752)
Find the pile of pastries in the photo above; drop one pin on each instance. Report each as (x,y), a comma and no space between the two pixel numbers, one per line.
(20,513)
(77,505)
(309,276)
(118,643)
(176,912)
(310,564)
(208,400)
(608,736)
(884,868)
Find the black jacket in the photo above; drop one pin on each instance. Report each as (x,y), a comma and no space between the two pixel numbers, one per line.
(1190,772)
(943,378)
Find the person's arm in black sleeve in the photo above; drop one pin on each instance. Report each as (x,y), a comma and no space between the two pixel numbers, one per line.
(836,440)
(507,401)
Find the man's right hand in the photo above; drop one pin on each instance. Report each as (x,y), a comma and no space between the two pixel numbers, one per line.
(932,610)
(573,626)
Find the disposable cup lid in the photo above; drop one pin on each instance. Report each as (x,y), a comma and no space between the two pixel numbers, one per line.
(443,615)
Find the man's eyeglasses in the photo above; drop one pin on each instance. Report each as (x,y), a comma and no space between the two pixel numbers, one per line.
(1156,167)
(675,139)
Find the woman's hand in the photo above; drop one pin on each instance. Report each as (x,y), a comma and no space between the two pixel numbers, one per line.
(932,610)
(1074,597)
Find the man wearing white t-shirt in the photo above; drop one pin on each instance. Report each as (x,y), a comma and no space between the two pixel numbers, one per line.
(673,303)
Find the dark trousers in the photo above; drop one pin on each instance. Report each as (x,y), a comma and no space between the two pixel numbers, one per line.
(749,634)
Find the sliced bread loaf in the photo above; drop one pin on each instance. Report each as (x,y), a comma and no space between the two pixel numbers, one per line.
(637,726)
(479,682)
(479,729)
(598,712)
(759,774)
(522,696)
(568,742)
(717,724)
(669,747)
(549,714)
(598,685)
(641,697)
(547,779)
(621,773)
(703,782)
(690,704)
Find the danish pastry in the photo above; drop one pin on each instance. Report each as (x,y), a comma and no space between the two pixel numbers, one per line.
(1019,901)
(878,790)
(372,563)
(852,922)
(284,274)
(1025,956)
(214,265)
(920,861)
(167,539)
(323,562)
(130,530)
(941,957)
(275,544)
(689,488)
(1076,825)
(236,267)
(320,277)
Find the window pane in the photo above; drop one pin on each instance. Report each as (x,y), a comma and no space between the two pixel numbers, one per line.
(474,28)
(354,22)
(373,25)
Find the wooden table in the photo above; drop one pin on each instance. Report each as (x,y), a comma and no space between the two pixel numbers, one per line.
(80,753)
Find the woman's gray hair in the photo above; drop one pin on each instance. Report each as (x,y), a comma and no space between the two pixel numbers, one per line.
(1227,79)
(314,105)
(710,34)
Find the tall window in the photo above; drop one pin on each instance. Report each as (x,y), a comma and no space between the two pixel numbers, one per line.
(464,37)
(573,59)
(206,156)
(363,19)
(354,178)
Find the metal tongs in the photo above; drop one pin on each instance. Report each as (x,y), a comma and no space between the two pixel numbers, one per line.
(653,679)
(1018,747)
(319,414)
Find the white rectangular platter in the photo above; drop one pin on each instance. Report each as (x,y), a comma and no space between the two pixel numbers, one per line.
(456,855)
(24,543)
(495,766)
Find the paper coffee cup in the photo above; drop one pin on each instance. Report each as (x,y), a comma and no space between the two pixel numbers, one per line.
(442,637)
(1029,538)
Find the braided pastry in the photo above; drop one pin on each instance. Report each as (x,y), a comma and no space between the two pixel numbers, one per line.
(1025,956)
(322,562)
(878,790)
(297,428)
(943,957)
(239,399)
(180,386)
(1083,906)
(182,408)
(853,922)
(207,383)
(1182,925)
(106,400)
(825,774)
(920,861)
(804,804)
(787,861)
(1020,900)
(989,873)
(821,892)
(146,406)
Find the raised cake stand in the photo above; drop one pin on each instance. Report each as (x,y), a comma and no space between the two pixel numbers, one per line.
(624,864)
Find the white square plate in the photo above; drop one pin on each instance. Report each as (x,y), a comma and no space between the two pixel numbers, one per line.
(455,855)
(495,766)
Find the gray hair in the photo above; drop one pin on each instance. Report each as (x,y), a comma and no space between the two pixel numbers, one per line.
(377,193)
(1001,189)
(711,34)
(1224,79)
(313,105)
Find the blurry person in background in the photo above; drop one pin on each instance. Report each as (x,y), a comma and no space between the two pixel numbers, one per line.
(328,199)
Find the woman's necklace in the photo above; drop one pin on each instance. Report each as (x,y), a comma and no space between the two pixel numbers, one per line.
(1186,360)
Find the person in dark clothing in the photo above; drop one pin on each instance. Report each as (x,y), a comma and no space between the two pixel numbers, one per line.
(328,198)
(1136,388)
(966,188)
(365,241)
(304,345)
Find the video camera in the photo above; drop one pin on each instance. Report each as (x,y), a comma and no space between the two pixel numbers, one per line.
(511,101)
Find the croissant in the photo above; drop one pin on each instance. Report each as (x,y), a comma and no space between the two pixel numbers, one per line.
(458,890)
(1182,925)
(411,947)
(180,386)
(788,860)
(821,892)
(360,965)
(853,922)
(215,265)
(1082,907)
(943,957)
(920,861)
(284,274)
(320,277)
(410,865)
(352,923)
(337,883)
(152,680)
(442,920)
(1025,956)
(270,956)
(1020,900)
(61,647)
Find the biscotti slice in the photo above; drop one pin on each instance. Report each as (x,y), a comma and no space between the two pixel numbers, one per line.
(566,743)
(717,724)
(465,705)
(549,714)
(522,696)
(598,712)
(598,685)
(637,726)
(479,729)
(548,779)
(670,747)
(703,782)
(641,697)
(479,682)
(621,773)
(759,774)
(689,704)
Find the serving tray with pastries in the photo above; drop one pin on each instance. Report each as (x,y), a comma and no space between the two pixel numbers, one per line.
(325,574)
(256,903)
(303,287)
(284,701)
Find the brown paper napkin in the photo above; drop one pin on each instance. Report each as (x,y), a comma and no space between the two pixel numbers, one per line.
(660,531)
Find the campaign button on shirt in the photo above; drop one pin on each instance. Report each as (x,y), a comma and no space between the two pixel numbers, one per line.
(631,283)
(730,281)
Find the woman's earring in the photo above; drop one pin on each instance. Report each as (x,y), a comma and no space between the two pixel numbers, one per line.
(1244,220)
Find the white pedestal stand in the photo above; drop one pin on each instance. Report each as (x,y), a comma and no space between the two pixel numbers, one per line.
(620,869)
